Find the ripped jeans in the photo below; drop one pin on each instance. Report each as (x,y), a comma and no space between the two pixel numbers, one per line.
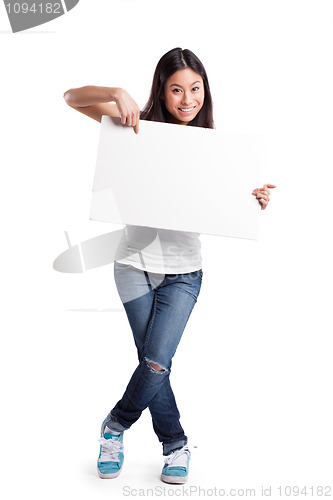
(158,308)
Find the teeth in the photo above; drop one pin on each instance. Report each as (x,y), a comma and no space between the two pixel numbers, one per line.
(186,109)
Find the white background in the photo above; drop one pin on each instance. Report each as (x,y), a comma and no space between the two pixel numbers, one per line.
(253,373)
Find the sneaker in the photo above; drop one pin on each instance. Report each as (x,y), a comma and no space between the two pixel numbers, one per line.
(111,456)
(176,466)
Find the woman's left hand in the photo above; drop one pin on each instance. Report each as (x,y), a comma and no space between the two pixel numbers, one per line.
(262,194)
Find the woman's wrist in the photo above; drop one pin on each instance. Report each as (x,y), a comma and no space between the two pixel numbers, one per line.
(115,93)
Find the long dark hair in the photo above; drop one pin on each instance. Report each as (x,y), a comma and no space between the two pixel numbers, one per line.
(171,62)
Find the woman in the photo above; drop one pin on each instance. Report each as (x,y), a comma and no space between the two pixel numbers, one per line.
(158,286)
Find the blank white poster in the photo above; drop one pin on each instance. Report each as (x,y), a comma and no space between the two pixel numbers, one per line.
(178,177)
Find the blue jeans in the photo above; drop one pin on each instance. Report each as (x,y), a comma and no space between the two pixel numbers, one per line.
(157,314)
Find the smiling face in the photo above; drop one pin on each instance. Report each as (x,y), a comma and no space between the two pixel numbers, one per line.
(184,95)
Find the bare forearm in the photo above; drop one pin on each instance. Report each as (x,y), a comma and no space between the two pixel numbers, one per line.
(89,95)
(97,101)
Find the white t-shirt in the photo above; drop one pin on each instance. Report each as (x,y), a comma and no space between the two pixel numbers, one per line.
(160,251)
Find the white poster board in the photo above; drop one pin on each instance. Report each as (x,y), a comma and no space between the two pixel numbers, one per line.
(178,177)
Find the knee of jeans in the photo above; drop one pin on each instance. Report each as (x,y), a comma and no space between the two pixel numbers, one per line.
(155,367)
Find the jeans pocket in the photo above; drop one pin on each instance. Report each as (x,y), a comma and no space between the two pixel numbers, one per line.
(118,266)
(190,283)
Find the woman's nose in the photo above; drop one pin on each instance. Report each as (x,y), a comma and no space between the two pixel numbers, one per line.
(186,98)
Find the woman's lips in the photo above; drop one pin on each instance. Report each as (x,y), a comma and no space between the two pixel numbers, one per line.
(186,111)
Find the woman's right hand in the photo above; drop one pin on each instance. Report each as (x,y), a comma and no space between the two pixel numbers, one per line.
(128,109)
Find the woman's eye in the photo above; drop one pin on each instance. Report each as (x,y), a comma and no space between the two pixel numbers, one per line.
(196,89)
(176,91)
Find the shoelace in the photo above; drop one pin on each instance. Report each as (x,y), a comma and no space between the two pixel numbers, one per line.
(110,450)
(178,458)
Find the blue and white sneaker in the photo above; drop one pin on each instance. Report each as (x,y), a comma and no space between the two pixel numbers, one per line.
(176,466)
(111,456)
